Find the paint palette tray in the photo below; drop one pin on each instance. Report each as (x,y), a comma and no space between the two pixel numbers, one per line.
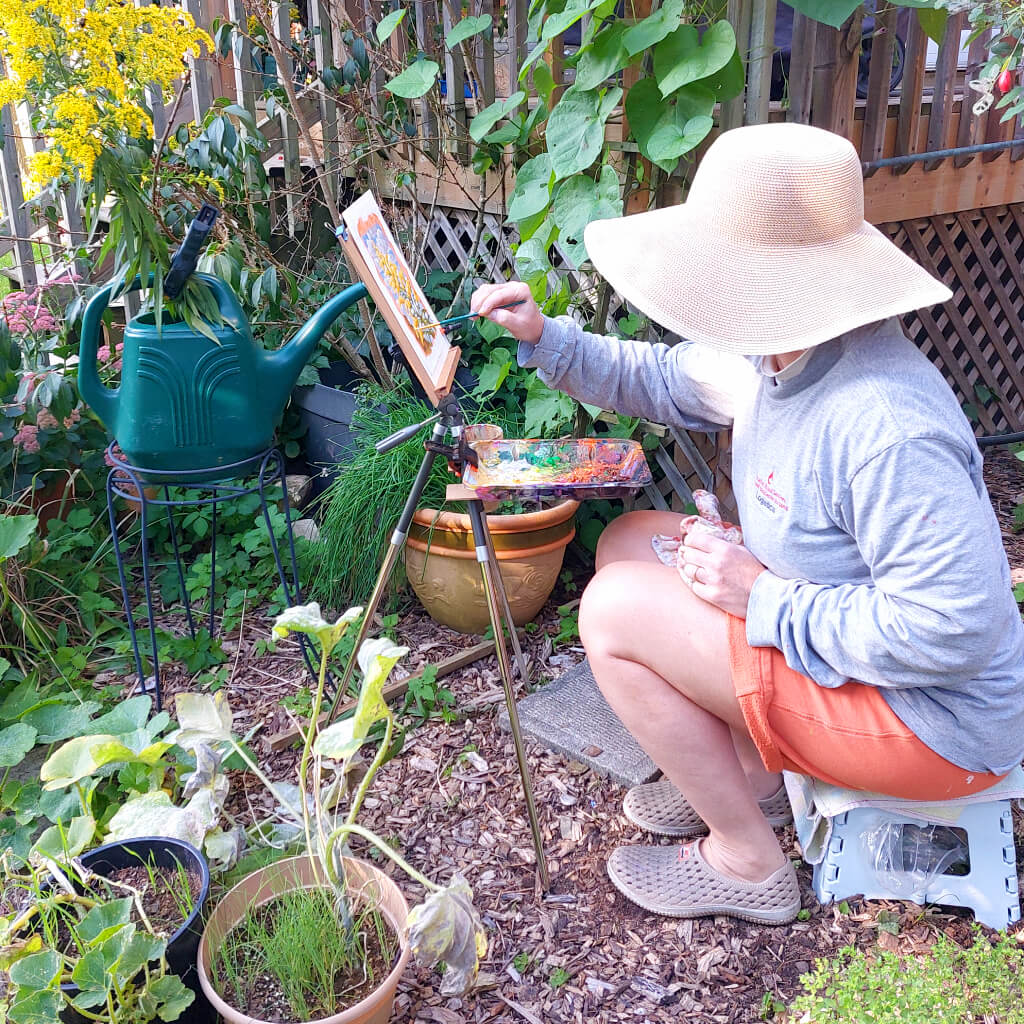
(533,469)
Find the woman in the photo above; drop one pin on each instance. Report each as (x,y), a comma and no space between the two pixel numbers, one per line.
(865,632)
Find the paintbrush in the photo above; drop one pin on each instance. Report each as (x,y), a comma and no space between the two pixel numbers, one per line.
(463,316)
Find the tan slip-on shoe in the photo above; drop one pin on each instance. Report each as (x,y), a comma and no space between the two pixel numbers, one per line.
(678,882)
(660,808)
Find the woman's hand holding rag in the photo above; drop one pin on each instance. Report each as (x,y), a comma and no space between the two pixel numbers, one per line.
(718,571)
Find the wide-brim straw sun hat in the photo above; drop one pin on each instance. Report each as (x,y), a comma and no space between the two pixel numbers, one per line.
(770,252)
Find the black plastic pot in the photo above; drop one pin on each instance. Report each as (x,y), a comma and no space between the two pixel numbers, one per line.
(183,945)
(325,410)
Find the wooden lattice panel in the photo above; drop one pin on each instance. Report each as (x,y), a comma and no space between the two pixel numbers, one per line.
(977,338)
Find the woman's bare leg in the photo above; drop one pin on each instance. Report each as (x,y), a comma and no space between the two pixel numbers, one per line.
(628,538)
(663,665)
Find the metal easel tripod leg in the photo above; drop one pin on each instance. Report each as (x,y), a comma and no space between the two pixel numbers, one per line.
(497,607)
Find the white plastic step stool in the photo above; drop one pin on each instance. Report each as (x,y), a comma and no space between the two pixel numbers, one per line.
(848,865)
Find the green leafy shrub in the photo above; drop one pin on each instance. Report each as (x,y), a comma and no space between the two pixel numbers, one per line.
(982,983)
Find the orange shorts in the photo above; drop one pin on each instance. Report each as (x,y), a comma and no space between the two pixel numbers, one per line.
(848,736)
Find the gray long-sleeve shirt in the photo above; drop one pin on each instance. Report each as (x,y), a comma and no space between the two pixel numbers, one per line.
(859,487)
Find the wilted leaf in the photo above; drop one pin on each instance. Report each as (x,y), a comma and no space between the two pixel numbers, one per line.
(153,814)
(377,657)
(223,849)
(446,926)
(206,771)
(203,717)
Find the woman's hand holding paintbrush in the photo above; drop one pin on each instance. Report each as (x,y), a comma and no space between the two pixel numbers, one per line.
(524,320)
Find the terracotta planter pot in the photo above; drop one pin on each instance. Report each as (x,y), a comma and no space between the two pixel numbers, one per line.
(440,561)
(288,875)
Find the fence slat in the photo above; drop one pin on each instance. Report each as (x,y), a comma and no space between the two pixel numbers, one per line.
(801,68)
(281,27)
(201,85)
(876,112)
(738,15)
(969,130)
(323,48)
(455,76)
(835,79)
(430,133)
(908,126)
(14,202)
(759,73)
(241,58)
(486,58)
(940,121)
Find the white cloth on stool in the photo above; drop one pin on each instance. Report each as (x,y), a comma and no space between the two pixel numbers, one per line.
(816,803)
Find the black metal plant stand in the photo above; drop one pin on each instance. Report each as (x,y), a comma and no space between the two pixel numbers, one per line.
(212,487)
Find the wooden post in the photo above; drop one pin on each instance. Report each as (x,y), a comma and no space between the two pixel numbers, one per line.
(801,68)
(639,199)
(908,126)
(14,201)
(241,59)
(485,49)
(517,23)
(759,70)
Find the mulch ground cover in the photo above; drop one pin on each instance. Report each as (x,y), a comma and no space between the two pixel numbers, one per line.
(580,952)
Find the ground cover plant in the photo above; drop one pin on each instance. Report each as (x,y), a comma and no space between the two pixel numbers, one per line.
(86,943)
(953,984)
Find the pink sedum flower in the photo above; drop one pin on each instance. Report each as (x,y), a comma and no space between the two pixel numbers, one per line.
(27,438)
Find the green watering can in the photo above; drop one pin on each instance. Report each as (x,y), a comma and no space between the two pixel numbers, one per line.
(186,403)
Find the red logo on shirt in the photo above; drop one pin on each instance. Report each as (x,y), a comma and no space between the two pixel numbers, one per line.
(768,496)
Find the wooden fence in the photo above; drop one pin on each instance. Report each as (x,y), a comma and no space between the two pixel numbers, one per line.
(796,69)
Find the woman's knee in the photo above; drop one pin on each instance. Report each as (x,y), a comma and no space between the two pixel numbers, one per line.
(628,538)
(605,608)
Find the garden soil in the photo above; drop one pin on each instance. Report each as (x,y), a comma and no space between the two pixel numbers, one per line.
(580,953)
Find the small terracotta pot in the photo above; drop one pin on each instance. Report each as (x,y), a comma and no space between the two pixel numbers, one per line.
(288,875)
(440,562)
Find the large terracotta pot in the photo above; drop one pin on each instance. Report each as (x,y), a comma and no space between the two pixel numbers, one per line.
(440,561)
(302,873)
